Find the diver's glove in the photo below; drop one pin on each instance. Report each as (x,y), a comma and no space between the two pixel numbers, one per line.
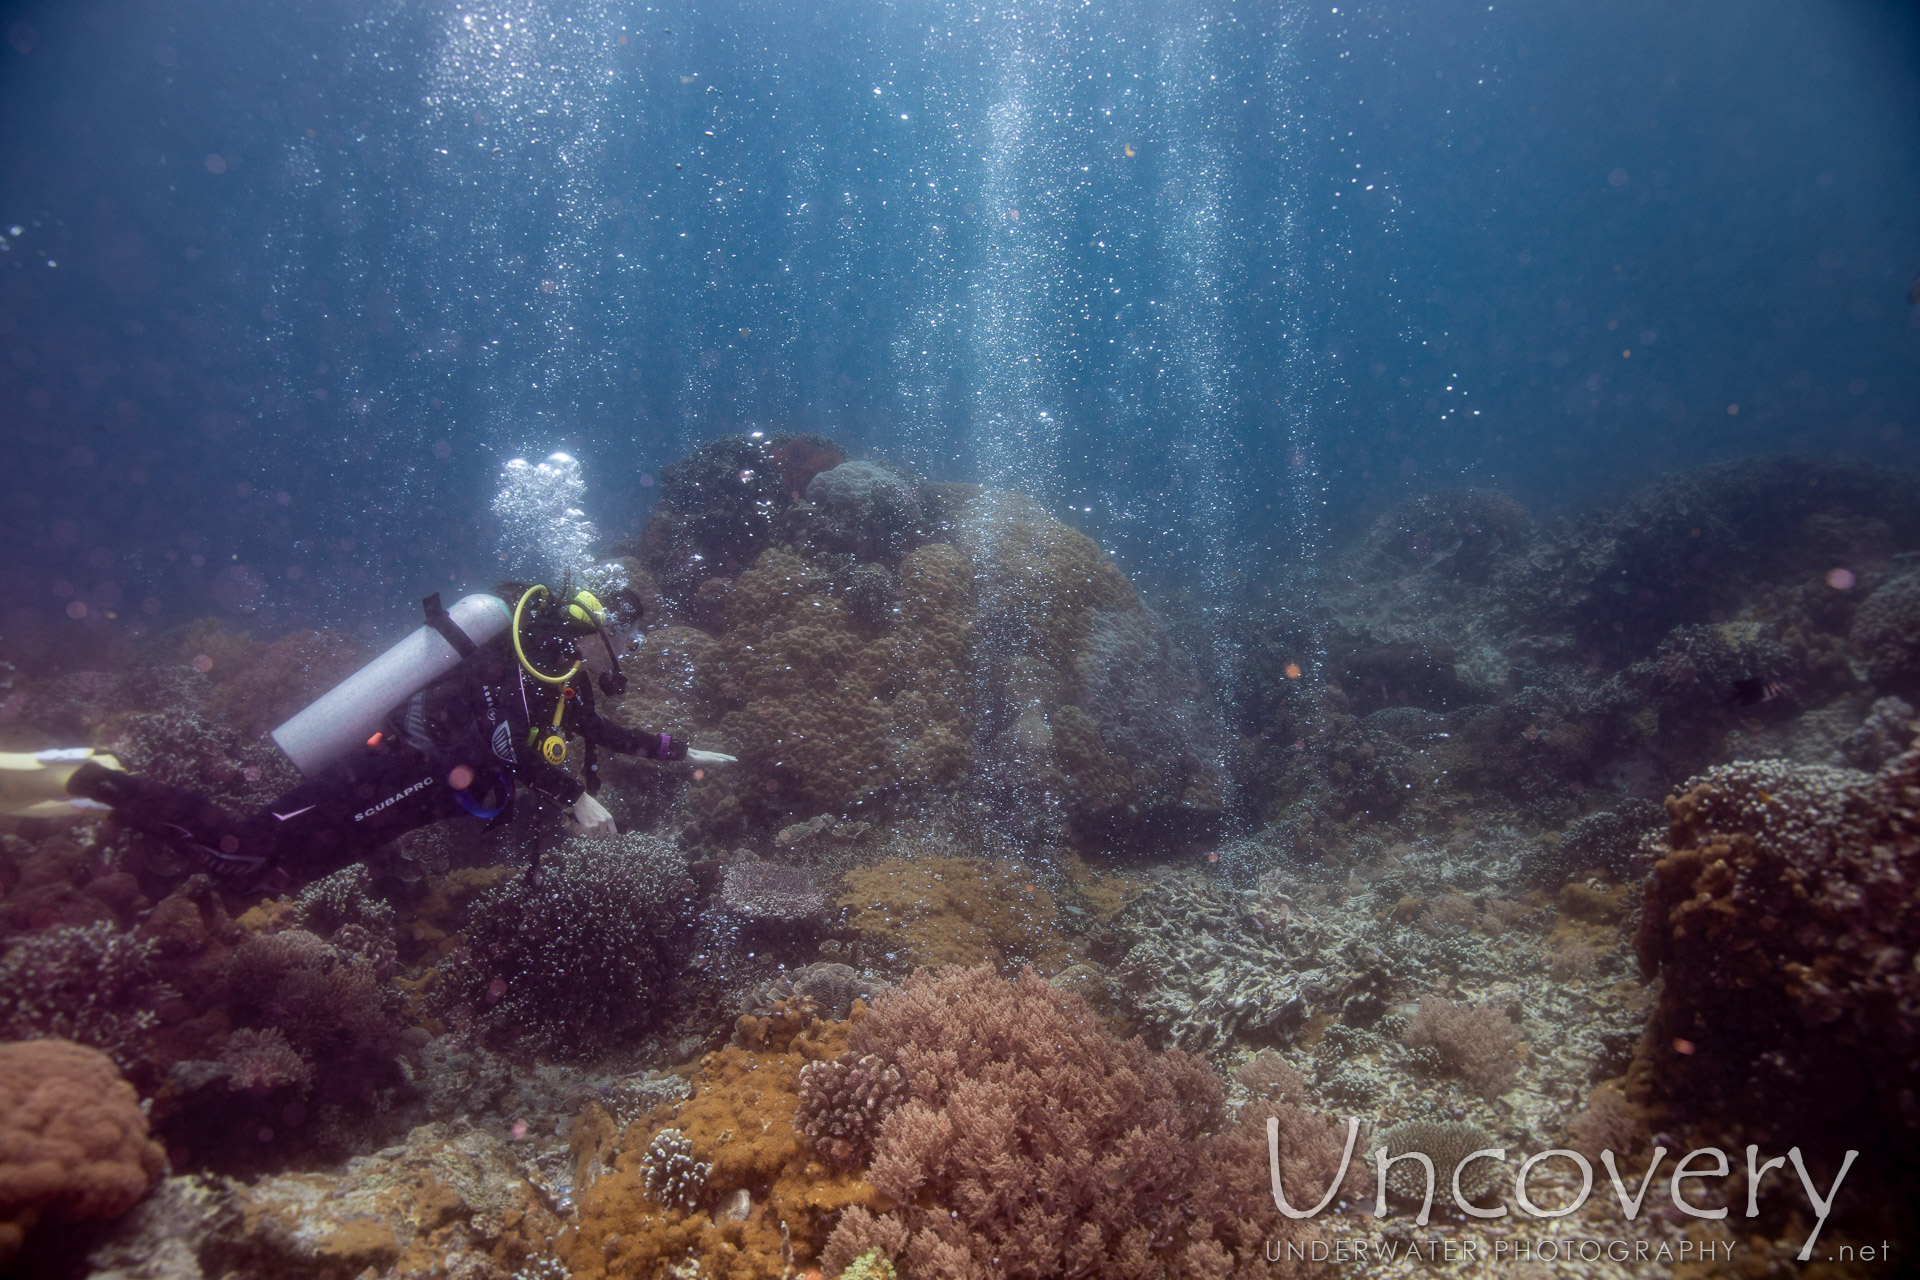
(35,784)
(710,757)
(590,818)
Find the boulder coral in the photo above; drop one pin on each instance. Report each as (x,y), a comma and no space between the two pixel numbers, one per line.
(73,1140)
(1783,922)
(828,719)
(880,642)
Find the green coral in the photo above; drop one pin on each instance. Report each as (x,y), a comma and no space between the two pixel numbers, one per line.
(871,1265)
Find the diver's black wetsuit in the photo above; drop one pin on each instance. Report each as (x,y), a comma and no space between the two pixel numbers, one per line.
(474,725)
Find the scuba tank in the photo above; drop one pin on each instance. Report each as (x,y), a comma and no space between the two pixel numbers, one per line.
(349,713)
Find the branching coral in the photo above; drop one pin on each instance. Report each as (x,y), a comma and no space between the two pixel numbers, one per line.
(672,1175)
(91,984)
(1204,967)
(73,1140)
(577,965)
(1034,1144)
(341,899)
(843,1103)
(1476,1043)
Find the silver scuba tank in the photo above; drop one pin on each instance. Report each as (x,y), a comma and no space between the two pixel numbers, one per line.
(349,713)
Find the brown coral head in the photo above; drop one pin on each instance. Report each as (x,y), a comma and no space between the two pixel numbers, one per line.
(801,458)
(73,1136)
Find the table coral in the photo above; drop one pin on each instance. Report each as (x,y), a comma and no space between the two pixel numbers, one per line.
(73,1140)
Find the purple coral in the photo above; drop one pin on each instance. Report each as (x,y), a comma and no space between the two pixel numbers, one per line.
(259,1061)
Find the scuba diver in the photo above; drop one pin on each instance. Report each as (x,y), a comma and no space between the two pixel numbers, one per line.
(451,720)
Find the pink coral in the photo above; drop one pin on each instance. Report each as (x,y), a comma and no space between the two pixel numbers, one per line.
(1034,1144)
(1476,1043)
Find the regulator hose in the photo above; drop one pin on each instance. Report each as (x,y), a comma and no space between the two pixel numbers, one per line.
(521,653)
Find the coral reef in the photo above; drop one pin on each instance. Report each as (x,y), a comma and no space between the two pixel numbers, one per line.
(1886,634)
(871,1265)
(770,892)
(1783,924)
(1446,1143)
(73,1140)
(843,1103)
(577,965)
(342,899)
(1887,731)
(829,986)
(719,504)
(1607,1123)
(1475,1042)
(90,984)
(829,719)
(883,636)
(774,1201)
(1205,967)
(1610,841)
(258,1061)
(672,1176)
(1267,1074)
(449,1201)
(935,910)
(867,511)
(1033,1143)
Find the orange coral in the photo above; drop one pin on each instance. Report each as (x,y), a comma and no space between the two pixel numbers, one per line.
(73,1141)
(740,1119)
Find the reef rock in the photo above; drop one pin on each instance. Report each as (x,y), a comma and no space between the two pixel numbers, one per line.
(444,1203)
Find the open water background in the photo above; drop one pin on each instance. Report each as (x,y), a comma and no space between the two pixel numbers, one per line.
(291,282)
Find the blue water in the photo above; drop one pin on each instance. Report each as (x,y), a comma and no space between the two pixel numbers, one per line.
(291,283)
